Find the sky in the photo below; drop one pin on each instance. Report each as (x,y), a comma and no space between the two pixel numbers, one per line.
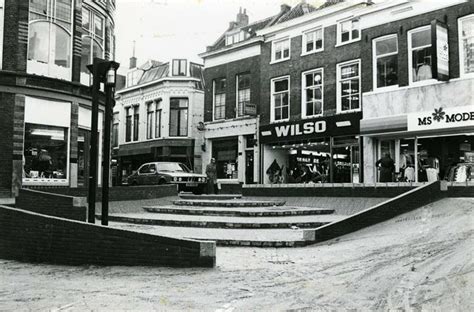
(166,29)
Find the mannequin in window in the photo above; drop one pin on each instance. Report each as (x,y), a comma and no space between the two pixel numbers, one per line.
(424,72)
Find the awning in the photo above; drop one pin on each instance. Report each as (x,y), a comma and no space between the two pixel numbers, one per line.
(387,124)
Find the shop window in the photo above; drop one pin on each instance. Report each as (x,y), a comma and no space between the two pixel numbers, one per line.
(419,46)
(115,126)
(136,122)
(128,124)
(158,118)
(466,45)
(243,93)
(313,41)
(45,152)
(219,98)
(178,117)
(179,67)
(93,32)
(281,50)
(348,86)
(280,100)
(312,93)
(150,112)
(348,31)
(50,39)
(385,61)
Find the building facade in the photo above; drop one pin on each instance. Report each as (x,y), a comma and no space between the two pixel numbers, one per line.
(158,116)
(44,93)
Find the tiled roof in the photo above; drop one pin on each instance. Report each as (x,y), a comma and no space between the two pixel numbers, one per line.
(300,9)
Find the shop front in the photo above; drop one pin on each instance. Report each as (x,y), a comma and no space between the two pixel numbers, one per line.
(318,150)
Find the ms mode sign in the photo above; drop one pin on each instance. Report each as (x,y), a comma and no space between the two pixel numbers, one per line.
(442,118)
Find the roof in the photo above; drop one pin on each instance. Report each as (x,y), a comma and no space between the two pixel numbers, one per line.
(300,9)
(154,73)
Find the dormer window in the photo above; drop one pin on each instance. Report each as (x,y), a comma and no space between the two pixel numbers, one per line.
(348,31)
(236,37)
(179,67)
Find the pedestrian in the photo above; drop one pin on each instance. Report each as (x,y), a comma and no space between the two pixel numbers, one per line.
(387,166)
(211,173)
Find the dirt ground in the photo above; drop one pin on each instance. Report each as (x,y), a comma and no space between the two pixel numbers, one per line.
(420,261)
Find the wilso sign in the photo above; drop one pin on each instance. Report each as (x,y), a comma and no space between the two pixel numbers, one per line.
(442,118)
(342,124)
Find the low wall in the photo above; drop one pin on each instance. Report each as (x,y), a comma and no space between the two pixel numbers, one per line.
(32,237)
(406,202)
(119,193)
(57,205)
(460,191)
(325,190)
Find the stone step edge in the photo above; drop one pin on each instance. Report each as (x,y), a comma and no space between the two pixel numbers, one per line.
(238,213)
(259,244)
(215,224)
(228,204)
(207,196)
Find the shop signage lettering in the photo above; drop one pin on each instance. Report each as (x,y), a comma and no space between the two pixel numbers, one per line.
(306,128)
(441,118)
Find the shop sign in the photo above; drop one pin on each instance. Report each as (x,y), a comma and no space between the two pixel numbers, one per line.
(442,118)
(439,41)
(342,124)
(250,109)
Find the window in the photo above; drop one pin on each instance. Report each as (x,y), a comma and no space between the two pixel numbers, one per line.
(219,98)
(348,31)
(466,45)
(236,37)
(149,120)
(312,99)
(280,100)
(93,34)
(419,47)
(178,117)
(385,61)
(144,169)
(348,86)
(136,122)
(281,50)
(115,127)
(50,39)
(243,93)
(179,67)
(158,118)
(128,124)
(313,41)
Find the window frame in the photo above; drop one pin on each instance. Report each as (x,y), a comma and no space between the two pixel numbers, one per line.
(462,74)
(375,58)
(214,94)
(410,58)
(273,52)
(304,41)
(339,41)
(179,109)
(237,96)
(136,123)
(303,92)
(272,99)
(128,124)
(180,73)
(150,118)
(89,34)
(158,115)
(338,86)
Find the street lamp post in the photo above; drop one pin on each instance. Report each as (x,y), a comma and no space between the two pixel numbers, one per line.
(102,72)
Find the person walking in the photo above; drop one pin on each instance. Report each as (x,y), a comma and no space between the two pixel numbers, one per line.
(387,166)
(211,173)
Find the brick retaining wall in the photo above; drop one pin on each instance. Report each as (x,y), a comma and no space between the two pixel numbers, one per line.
(32,237)
(386,210)
(57,205)
(118,193)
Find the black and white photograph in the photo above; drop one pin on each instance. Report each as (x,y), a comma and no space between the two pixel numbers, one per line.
(237,155)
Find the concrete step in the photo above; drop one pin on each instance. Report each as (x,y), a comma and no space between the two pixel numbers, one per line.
(209,196)
(228,203)
(314,221)
(225,237)
(5,193)
(278,211)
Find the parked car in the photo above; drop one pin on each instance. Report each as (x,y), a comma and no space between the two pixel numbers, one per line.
(168,172)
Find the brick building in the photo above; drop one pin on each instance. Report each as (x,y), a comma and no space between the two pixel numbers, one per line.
(157,115)
(44,93)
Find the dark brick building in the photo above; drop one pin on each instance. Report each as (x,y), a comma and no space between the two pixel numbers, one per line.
(44,93)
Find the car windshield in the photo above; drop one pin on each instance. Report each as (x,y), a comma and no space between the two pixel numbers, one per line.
(172,167)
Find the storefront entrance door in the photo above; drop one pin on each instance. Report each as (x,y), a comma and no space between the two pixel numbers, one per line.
(83,145)
(346,164)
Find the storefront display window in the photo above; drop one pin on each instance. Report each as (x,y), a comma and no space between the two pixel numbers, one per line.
(45,153)
(386,61)
(420,54)
(225,152)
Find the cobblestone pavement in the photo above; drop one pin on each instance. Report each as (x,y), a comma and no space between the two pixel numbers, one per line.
(420,261)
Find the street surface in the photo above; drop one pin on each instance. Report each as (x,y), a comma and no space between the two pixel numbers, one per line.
(420,261)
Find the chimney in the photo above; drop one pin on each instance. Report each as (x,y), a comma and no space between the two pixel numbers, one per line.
(133,59)
(242,18)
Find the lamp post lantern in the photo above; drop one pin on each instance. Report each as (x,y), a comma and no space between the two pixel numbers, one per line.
(102,72)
